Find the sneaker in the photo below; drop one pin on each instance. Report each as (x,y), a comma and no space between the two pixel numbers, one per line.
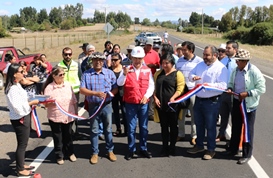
(94,159)
(208,155)
(195,150)
(60,161)
(112,156)
(72,158)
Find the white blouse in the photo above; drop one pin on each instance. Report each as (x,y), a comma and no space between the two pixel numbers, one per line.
(17,100)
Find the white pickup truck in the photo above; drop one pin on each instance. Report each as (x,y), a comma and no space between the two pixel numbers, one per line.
(144,36)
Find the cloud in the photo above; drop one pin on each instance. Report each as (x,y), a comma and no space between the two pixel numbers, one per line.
(4,12)
(8,3)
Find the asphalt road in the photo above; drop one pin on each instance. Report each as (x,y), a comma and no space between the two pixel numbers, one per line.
(182,165)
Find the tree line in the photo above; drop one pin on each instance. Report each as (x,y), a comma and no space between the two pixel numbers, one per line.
(244,24)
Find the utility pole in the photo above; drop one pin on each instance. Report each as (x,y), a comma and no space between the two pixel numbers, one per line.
(105,15)
(202,22)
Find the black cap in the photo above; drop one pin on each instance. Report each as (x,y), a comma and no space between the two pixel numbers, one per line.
(84,45)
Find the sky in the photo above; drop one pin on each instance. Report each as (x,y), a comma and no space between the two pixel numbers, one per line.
(162,10)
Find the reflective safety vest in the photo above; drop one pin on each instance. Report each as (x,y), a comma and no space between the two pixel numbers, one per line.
(134,90)
(71,75)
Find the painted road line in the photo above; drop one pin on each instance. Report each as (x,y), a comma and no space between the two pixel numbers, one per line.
(253,163)
(43,155)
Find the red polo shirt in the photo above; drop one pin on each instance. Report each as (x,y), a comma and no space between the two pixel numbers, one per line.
(152,57)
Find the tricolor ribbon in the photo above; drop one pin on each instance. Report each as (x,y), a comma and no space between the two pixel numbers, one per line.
(199,87)
(36,120)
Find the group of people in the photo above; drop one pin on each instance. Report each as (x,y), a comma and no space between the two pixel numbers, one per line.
(141,89)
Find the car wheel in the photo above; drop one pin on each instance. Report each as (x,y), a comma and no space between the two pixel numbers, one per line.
(1,81)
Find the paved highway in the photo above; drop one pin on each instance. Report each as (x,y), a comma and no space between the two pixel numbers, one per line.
(182,165)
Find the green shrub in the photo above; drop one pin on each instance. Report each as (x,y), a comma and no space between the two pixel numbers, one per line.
(241,34)
(262,34)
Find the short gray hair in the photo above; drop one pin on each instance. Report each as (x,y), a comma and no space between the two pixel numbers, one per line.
(89,47)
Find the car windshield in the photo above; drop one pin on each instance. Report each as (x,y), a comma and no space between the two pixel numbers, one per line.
(151,34)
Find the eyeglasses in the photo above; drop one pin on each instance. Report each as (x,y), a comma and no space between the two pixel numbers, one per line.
(221,50)
(62,74)
(20,71)
(67,54)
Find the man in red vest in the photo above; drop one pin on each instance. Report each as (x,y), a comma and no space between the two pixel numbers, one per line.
(138,85)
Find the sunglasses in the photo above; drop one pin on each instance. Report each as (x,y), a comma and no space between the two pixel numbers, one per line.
(221,50)
(20,71)
(114,60)
(62,74)
(67,54)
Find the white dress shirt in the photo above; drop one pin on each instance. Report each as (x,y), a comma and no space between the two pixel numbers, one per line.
(215,75)
(17,100)
(185,66)
(122,78)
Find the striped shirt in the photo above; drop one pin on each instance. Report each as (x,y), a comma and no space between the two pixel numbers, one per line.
(104,81)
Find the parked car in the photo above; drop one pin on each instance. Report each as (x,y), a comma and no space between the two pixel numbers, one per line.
(18,54)
(144,36)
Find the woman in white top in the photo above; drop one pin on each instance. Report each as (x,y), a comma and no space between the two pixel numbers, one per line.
(19,108)
(116,49)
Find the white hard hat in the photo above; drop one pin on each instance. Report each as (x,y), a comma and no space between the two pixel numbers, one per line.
(138,52)
(222,46)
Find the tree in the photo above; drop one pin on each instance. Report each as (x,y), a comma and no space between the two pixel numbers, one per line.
(42,15)
(265,13)
(15,21)
(98,17)
(156,22)
(113,23)
(195,19)
(226,22)
(249,17)
(28,15)
(270,13)
(110,15)
(123,20)
(146,22)
(242,14)
(55,16)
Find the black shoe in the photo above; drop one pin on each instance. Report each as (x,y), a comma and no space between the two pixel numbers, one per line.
(130,156)
(145,153)
(243,160)
(172,151)
(228,153)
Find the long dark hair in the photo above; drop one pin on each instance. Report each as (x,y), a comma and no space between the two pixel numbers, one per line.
(10,80)
(55,71)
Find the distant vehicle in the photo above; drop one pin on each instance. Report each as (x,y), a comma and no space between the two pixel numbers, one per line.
(18,54)
(144,36)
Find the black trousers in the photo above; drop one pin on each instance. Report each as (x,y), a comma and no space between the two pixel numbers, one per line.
(22,131)
(169,128)
(62,137)
(118,104)
(236,130)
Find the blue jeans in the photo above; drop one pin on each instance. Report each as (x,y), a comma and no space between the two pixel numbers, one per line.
(136,112)
(205,116)
(104,116)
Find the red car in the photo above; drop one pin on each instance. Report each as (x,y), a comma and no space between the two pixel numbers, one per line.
(18,54)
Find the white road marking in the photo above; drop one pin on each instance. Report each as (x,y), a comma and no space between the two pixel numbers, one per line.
(253,163)
(43,155)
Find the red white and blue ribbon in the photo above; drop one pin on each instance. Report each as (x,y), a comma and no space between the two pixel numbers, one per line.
(36,121)
(199,87)
(246,134)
